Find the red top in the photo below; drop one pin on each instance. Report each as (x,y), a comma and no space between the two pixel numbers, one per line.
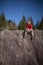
(29,26)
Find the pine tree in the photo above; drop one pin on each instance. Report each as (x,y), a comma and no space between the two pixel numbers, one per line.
(37,24)
(2,21)
(14,25)
(22,23)
(9,24)
(41,24)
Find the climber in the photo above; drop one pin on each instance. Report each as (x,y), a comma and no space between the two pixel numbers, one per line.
(28,30)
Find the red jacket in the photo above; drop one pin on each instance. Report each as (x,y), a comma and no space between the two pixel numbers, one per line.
(29,26)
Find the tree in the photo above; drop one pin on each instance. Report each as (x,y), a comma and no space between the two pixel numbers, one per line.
(14,25)
(2,21)
(41,24)
(9,24)
(37,24)
(22,23)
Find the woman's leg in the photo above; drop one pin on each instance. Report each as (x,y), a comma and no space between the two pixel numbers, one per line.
(32,35)
(24,33)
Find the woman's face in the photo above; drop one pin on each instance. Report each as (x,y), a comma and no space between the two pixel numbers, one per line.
(29,22)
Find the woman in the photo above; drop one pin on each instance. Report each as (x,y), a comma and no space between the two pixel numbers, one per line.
(29,30)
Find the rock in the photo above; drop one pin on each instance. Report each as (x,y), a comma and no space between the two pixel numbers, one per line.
(17,51)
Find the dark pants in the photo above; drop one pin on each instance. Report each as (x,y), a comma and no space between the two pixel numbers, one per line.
(30,33)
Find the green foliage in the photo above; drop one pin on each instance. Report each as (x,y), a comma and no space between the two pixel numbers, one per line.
(14,25)
(2,21)
(9,22)
(11,25)
(41,24)
(22,23)
(37,24)
(10,28)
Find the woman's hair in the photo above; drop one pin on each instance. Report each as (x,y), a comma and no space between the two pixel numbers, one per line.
(29,22)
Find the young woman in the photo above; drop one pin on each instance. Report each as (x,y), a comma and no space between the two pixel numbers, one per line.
(29,29)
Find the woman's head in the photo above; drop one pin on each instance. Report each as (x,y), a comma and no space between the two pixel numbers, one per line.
(29,22)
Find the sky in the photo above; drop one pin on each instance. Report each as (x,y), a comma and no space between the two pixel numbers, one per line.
(15,9)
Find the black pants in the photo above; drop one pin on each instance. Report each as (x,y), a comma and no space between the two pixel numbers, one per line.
(30,33)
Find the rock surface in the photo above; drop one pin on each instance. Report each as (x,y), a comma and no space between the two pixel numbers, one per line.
(17,51)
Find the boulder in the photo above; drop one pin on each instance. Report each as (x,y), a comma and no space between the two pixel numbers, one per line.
(17,51)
